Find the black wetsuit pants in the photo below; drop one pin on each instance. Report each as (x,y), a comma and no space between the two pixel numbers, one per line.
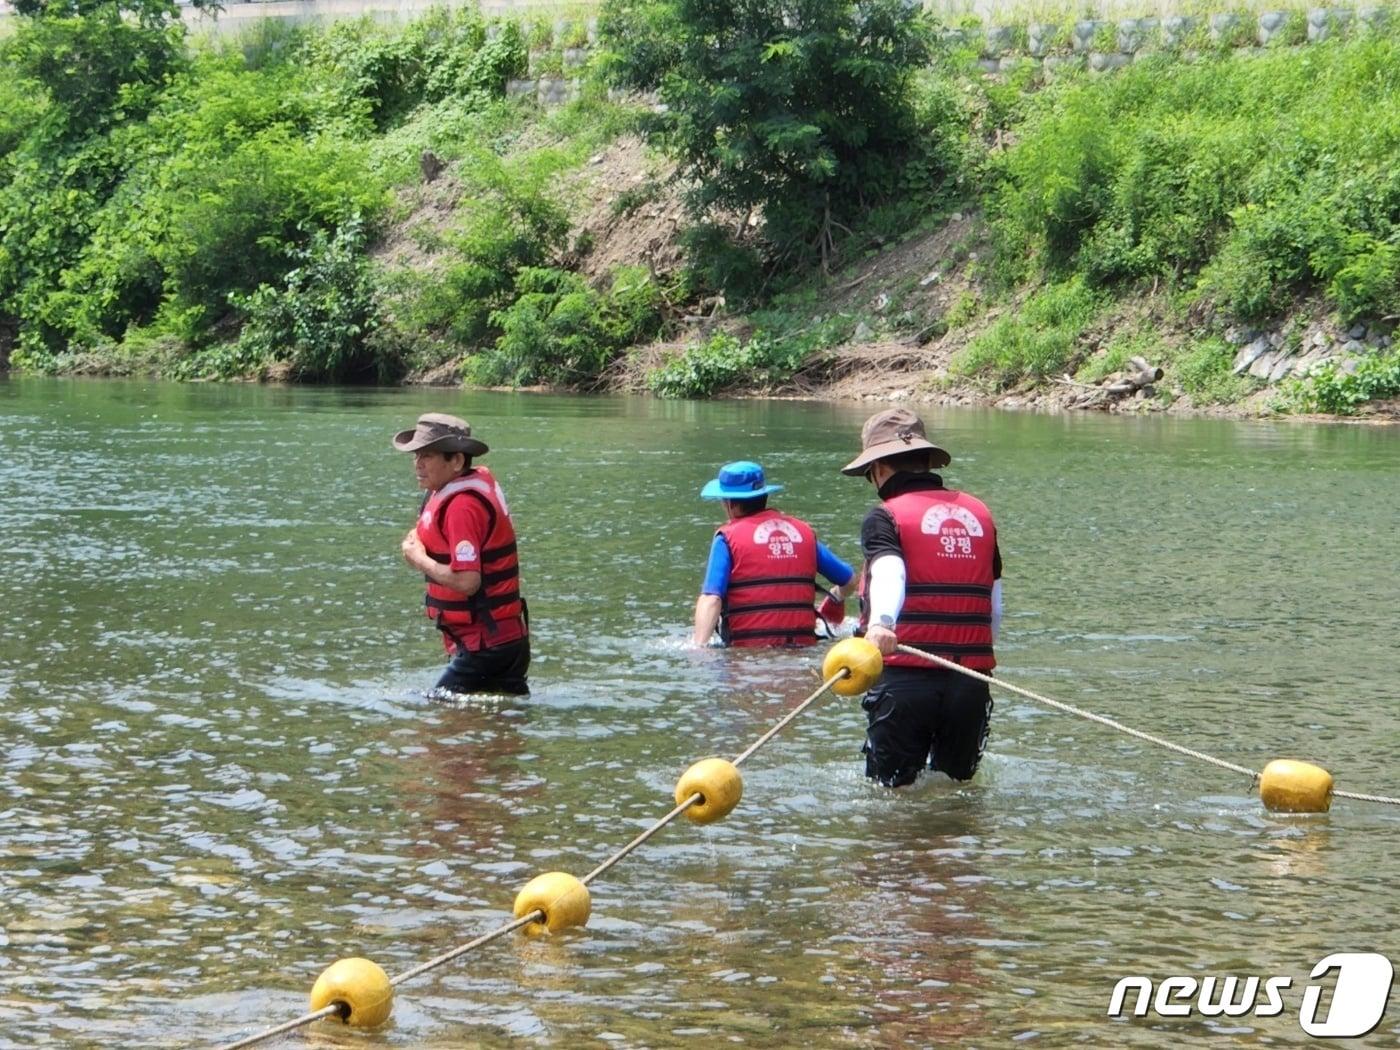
(916,718)
(499,670)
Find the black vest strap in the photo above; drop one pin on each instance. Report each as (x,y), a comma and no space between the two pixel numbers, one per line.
(492,553)
(764,581)
(966,590)
(731,610)
(784,635)
(952,652)
(975,619)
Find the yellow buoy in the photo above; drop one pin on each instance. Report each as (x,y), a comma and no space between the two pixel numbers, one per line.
(1289,786)
(563,899)
(719,785)
(858,656)
(361,985)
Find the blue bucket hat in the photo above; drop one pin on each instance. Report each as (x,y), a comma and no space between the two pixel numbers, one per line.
(741,480)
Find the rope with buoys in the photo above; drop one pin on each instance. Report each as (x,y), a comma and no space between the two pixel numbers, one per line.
(360,993)
(1285,785)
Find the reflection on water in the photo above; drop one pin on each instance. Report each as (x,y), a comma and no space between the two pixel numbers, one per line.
(217,776)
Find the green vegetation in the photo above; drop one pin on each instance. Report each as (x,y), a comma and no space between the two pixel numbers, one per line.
(268,205)
(1037,341)
(561,331)
(322,321)
(213,210)
(1249,181)
(725,361)
(803,113)
(1341,392)
(1239,184)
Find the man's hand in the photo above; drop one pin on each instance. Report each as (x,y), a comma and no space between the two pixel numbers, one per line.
(413,550)
(882,638)
(833,611)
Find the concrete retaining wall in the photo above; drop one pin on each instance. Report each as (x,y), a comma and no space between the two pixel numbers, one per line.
(1103,44)
(1099,44)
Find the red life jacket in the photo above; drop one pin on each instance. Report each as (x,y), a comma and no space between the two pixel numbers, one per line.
(949,542)
(495,614)
(771,582)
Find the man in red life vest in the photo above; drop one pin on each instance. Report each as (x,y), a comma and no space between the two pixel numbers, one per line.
(464,545)
(762,572)
(932,580)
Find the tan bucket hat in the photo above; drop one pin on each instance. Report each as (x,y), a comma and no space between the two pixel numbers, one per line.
(890,433)
(441,433)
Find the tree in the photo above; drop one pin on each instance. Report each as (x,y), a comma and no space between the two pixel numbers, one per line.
(799,108)
(97,68)
(99,60)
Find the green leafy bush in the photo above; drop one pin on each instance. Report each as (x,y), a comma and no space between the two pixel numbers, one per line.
(1335,390)
(320,320)
(724,361)
(144,194)
(1036,342)
(1365,275)
(560,331)
(441,54)
(100,64)
(512,225)
(1248,181)
(497,61)
(719,263)
(1204,372)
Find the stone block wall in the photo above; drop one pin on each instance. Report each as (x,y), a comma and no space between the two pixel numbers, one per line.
(559,54)
(1103,44)
(1099,44)
(560,51)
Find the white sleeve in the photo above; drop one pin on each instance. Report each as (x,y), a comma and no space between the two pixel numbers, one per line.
(886,587)
(996,609)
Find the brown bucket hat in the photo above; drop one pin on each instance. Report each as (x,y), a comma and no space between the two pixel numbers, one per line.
(441,433)
(889,433)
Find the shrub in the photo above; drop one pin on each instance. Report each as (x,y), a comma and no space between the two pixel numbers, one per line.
(724,361)
(804,112)
(1334,390)
(496,62)
(514,224)
(1036,342)
(100,64)
(1248,181)
(1365,276)
(320,319)
(560,331)
(441,54)
(717,262)
(1204,372)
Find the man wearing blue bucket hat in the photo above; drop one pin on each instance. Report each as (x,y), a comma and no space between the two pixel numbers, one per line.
(759,585)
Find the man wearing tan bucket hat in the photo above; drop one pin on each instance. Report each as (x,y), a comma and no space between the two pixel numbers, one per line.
(932,581)
(464,545)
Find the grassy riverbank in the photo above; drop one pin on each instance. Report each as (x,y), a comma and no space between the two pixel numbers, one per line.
(364,203)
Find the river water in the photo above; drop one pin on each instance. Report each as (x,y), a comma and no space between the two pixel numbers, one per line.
(217,774)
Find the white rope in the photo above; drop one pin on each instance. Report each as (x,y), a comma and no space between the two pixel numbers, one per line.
(1071,709)
(539,916)
(1367,798)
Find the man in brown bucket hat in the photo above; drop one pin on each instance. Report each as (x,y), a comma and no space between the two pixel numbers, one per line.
(464,545)
(932,581)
